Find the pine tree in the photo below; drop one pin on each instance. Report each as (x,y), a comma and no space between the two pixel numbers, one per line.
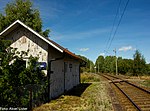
(139,64)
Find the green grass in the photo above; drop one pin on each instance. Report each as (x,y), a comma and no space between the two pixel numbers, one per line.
(141,80)
(90,95)
(146,83)
(87,77)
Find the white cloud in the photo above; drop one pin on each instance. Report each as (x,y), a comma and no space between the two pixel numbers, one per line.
(102,54)
(126,48)
(84,49)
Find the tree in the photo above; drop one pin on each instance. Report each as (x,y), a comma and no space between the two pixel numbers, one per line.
(125,65)
(100,63)
(109,64)
(148,69)
(139,65)
(89,65)
(22,10)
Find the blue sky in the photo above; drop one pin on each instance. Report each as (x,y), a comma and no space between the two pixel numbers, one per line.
(84,26)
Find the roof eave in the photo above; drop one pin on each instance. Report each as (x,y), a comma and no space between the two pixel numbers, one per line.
(43,38)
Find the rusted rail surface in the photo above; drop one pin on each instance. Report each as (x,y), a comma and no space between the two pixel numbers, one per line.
(137,96)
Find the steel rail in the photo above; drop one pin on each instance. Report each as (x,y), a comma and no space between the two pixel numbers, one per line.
(132,84)
(138,87)
(136,106)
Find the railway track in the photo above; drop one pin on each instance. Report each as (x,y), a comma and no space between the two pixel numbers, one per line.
(130,96)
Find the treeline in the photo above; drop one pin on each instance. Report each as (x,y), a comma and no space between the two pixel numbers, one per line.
(136,66)
(89,67)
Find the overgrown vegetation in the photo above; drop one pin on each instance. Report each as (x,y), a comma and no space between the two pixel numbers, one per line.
(86,77)
(141,80)
(146,83)
(88,96)
(17,81)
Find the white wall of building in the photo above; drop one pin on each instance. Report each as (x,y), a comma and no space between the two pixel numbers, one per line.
(24,40)
(65,71)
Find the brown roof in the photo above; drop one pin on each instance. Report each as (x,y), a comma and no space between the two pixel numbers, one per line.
(64,49)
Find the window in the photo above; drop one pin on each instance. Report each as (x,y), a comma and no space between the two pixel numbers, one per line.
(70,66)
(41,65)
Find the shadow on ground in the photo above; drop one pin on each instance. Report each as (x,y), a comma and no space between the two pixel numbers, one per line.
(78,90)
